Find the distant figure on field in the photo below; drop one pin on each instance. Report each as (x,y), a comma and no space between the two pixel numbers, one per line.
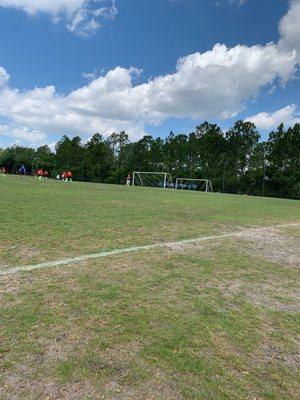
(40,174)
(3,172)
(128,180)
(22,170)
(46,174)
(68,176)
(58,177)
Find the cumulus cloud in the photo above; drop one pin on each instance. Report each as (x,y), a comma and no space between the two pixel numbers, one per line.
(83,17)
(218,82)
(289,29)
(266,121)
(23,135)
(214,84)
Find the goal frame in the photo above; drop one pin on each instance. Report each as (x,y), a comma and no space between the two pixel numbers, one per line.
(164,174)
(208,183)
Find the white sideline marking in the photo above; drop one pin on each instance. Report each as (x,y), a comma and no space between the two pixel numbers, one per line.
(76,260)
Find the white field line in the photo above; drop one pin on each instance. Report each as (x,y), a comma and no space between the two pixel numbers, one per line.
(76,260)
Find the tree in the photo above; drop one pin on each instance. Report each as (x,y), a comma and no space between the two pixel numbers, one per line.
(242,140)
(70,155)
(284,161)
(98,158)
(207,149)
(236,161)
(118,143)
(13,157)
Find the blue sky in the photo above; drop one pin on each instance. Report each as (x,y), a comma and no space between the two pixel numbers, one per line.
(80,66)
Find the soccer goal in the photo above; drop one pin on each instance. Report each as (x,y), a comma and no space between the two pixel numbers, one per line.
(152,179)
(204,185)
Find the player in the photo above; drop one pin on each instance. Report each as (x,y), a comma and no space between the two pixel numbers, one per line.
(46,174)
(40,174)
(3,172)
(22,170)
(69,176)
(128,180)
(37,174)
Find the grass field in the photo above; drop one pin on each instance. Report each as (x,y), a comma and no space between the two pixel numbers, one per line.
(218,319)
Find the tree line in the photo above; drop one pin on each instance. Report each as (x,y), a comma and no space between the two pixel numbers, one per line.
(237,161)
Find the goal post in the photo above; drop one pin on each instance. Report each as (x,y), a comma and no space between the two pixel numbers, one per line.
(152,179)
(203,185)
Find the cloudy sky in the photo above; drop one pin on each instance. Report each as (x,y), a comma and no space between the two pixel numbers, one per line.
(78,67)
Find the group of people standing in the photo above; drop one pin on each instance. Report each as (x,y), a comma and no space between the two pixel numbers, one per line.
(41,174)
(22,171)
(66,176)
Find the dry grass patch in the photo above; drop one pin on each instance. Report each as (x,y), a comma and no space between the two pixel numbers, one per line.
(212,320)
(273,245)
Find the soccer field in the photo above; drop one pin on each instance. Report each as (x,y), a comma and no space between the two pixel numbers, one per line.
(215,318)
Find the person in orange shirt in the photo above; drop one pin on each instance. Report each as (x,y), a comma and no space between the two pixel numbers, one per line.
(40,173)
(69,176)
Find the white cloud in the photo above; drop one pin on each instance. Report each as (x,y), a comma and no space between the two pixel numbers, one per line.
(239,2)
(82,16)
(217,83)
(266,121)
(90,75)
(52,146)
(233,2)
(49,6)
(289,29)
(23,135)
(4,77)
(214,84)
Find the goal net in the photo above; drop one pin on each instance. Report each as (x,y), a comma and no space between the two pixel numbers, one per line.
(152,179)
(204,185)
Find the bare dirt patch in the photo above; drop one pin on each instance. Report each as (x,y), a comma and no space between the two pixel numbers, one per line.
(17,253)
(273,245)
(18,387)
(269,294)
(123,381)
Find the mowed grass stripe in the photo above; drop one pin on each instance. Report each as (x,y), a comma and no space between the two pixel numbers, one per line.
(79,259)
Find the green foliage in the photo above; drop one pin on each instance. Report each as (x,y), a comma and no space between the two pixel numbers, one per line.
(236,161)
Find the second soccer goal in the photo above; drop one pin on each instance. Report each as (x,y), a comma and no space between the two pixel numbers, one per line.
(153,179)
(204,185)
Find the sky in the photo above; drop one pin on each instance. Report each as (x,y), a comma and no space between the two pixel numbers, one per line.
(78,67)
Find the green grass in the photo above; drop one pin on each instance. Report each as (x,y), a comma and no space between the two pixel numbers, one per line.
(51,219)
(217,320)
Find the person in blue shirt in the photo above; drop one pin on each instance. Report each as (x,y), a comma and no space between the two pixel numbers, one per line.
(22,170)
